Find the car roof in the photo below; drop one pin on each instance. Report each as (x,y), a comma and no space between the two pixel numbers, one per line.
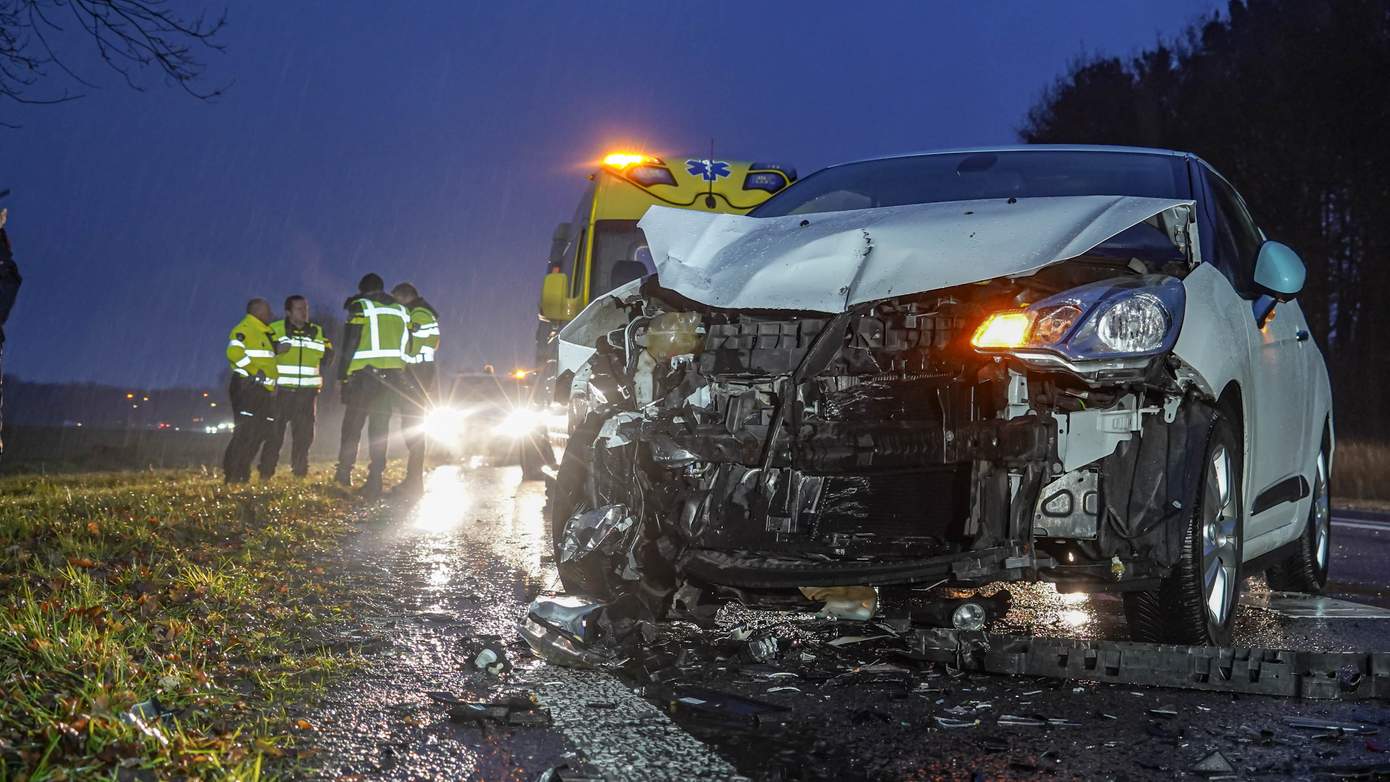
(1030,148)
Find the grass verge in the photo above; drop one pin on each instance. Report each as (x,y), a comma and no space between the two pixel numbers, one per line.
(1361,474)
(154,625)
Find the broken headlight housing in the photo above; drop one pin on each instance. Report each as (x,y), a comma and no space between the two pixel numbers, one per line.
(1108,325)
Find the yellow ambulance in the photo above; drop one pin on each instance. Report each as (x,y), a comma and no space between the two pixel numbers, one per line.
(602,247)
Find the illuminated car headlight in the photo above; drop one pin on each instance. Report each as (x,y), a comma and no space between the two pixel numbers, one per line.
(1133,324)
(445,424)
(520,422)
(1115,320)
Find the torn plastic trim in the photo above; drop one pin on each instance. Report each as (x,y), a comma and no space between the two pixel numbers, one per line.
(606,313)
(1255,670)
(750,570)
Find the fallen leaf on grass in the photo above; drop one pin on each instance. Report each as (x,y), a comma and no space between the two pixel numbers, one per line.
(81,562)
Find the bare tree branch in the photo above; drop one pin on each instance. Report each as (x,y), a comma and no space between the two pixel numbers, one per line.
(129,36)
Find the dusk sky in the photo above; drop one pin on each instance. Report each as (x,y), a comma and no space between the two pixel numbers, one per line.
(440,142)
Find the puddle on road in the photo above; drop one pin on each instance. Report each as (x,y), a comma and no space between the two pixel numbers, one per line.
(1294,605)
(432,586)
(470,555)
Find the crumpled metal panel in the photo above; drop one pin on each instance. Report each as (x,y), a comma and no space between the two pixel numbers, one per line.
(830,262)
(564,629)
(602,530)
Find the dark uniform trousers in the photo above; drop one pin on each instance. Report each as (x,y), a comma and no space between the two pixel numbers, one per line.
(295,409)
(369,396)
(415,401)
(253,423)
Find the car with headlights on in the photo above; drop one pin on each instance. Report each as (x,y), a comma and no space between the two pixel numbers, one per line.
(1081,365)
(496,417)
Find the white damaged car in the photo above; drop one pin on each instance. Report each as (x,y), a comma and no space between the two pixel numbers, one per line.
(1083,365)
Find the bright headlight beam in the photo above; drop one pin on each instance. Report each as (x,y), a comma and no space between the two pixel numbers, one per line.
(520,422)
(1003,330)
(445,424)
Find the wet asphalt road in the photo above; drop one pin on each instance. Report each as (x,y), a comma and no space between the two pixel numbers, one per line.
(438,579)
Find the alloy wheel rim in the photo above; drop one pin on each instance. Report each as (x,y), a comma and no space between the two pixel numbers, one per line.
(1322,517)
(1219,539)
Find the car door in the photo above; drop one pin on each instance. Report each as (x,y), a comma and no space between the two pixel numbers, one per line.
(1276,398)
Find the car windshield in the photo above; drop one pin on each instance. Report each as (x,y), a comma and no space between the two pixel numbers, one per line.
(968,176)
(620,255)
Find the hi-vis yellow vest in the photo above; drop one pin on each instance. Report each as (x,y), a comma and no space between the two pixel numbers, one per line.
(301,365)
(384,338)
(251,351)
(424,336)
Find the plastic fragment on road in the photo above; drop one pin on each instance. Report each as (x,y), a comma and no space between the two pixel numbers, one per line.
(145,716)
(488,655)
(854,603)
(517,710)
(723,706)
(571,771)
(758,646)
(846,640)
(565,630)
(952,724)
(1021,721)
(1349,728)
(1213,765)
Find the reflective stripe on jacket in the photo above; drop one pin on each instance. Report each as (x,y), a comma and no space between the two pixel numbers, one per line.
(383,338)
(302,365)
(251,351)
(424,334)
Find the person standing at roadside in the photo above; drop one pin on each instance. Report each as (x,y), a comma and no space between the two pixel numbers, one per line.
(9,291)
(251,354)
(306,350)
(421,383)
(370,369)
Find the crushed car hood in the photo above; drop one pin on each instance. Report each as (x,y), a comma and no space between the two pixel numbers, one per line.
(832,261)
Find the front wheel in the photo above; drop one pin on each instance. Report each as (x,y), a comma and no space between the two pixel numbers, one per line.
(1196,604)
(1306,569)
(569,495)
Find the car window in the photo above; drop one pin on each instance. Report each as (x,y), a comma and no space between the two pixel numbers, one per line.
(966,176)
(572,254)
(620,255)
(1237,238)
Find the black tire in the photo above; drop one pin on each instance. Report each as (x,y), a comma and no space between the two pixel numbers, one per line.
(1306,569)
(569,494)
(1185,609)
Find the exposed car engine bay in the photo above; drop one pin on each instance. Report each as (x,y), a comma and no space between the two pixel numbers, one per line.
(748,452)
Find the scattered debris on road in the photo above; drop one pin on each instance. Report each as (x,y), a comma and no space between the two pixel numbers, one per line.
(488,655)
(516,710)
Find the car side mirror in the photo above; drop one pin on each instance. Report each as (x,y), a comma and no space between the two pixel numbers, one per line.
(1279,271)
(555,301)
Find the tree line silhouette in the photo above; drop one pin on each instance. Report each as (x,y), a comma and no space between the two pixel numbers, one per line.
(1289,99)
